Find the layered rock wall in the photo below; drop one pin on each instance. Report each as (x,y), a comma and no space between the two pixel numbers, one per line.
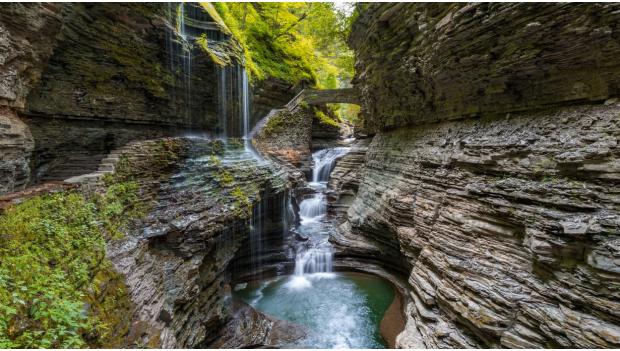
(177,261)
(26,43)
(508,222)
(418,64)
(82,79)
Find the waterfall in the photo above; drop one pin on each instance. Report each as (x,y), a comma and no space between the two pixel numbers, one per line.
(315,255)
(314,260)
(256,236)
(187,60)
(313,208)
(324,161)
(245,93)
(222,99)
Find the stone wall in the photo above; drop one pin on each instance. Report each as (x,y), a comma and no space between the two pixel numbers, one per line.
(507,222)
(24,50)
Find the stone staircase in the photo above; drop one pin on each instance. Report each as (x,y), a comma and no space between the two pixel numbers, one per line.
(106,166)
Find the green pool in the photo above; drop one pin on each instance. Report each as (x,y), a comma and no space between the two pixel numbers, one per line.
(341,310)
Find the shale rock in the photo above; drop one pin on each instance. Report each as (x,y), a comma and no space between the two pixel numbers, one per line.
(286,134)
(510,226)
(419,63)
(177,260)
(508,223)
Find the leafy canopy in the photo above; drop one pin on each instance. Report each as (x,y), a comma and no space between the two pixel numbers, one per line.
(295,41)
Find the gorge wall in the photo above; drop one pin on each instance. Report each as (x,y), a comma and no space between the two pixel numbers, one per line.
(177,261)
(494,171)
(80,80)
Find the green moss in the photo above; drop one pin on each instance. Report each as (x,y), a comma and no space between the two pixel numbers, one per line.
(243,205)
(275,124)
(215,161)
(236,143)
(204,45)
(325,119)
(225,178)
(53,269)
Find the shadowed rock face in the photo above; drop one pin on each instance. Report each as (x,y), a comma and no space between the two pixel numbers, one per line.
(80,80)
(507,224)
(428,62)
(26,43)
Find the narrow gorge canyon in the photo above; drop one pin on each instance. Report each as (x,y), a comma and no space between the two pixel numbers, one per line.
(170,177)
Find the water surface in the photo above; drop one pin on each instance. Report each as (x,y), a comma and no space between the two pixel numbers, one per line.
(341,310)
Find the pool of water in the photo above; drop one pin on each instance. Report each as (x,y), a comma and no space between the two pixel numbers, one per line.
(340,310)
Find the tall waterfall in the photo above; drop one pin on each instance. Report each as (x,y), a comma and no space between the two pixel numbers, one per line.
(223,103)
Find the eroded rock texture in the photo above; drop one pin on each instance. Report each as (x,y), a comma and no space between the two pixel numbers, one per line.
(508,223)
(87,78)
(24,50)
(286,134)
(420,63)
(177,261)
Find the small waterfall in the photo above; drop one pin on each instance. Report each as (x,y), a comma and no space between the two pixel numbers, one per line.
(256,236)
(187,59)
(314,260)
(179,46)
(324,162)
(313,208)
(245,95)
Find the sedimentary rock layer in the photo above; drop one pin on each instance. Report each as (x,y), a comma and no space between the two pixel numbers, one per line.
(177,260)
(80,80)
(419,63)
(510,224)
(508,221)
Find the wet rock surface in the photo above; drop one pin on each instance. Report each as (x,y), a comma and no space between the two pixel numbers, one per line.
(81,80)
(25,47)
(510,233)
(249,328)
(177,261)
(286,134)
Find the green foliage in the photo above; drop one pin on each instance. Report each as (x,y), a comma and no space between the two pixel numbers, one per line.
(293,41)
(347,112)
(118,206)
(325,119)
(52,248)
(274,124)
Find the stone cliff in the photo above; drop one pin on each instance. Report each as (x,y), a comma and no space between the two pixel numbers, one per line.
(504,209)
(82,79)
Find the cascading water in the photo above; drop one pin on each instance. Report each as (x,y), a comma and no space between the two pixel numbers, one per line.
(340,310)
(315,255)
(179,46)
(324,162)
(223,102)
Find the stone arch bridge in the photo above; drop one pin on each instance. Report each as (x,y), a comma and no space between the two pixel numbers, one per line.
(325,96)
